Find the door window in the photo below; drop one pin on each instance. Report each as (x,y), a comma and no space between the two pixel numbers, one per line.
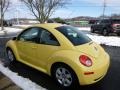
(30,35)
(48,38)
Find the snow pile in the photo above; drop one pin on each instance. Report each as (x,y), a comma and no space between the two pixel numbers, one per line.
(107,40)
(110,41)
(24,26)
(84,28)
(10,30)
(22,82)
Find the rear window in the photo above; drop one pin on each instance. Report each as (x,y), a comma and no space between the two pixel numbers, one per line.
(74,35)
(116,21)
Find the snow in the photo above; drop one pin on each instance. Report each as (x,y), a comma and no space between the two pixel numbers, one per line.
(22,82)
(110,41)
(9,30)
(84,28)
(107,40)
(34,22)
(24,26)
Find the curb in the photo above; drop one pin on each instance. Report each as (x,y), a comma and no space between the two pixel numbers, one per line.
(6,83)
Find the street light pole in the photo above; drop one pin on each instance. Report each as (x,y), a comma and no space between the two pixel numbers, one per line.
(1,10)
(104,8)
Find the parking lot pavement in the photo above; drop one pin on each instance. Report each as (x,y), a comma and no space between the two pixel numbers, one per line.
(7,84)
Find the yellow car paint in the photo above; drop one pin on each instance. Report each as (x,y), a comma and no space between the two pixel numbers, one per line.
(42,57)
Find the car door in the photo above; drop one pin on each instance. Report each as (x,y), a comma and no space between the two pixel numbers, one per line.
(98,25)
(47,46)
(27,46)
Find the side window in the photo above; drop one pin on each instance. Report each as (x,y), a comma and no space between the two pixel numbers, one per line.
(106,21)
(102,21)
(98,22)
(48,38)
(30,35)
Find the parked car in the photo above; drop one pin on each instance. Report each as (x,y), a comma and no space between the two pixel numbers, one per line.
(61,51)
(6,23)
(92,21)
(107,26)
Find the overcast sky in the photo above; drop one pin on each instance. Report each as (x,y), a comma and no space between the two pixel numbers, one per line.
(73,9)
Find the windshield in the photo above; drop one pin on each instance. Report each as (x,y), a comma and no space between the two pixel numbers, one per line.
(74,35)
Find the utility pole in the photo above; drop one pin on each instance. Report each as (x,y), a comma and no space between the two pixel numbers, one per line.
(17,17)
(1,10)
(104,8)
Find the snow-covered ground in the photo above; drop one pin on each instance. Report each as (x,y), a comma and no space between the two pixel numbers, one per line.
(24,83)
(25,26)
(84,28)
(9,30)
(110,41)
(107,40)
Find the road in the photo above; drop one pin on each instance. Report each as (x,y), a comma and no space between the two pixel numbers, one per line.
(110,82)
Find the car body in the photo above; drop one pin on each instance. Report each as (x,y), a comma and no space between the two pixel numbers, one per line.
(69,50)
(107,26)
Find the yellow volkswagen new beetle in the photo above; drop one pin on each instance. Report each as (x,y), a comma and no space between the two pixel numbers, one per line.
(61,51)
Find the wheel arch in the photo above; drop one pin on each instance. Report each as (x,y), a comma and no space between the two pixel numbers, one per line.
(59,63)
(68,66)
(10,45)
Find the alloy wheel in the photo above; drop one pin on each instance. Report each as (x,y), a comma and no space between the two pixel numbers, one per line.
(63,76)
(10,55)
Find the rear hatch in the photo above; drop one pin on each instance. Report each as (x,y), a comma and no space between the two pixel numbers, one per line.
(91,49)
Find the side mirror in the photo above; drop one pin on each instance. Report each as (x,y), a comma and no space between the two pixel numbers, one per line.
(14,38)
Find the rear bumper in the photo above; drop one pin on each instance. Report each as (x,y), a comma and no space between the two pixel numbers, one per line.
(99,73)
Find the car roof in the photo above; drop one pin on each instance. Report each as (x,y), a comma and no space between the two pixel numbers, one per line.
(48,25)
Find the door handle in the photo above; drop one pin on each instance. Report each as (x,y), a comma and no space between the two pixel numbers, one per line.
(34,47)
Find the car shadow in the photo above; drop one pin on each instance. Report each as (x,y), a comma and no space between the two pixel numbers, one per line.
(44,80)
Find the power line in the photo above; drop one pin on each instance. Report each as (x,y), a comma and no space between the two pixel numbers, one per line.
(91,6)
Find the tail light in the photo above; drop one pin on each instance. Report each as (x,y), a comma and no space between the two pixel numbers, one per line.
(85,60)
(114,25)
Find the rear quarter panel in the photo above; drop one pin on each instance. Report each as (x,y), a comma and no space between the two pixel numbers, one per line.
(69,57)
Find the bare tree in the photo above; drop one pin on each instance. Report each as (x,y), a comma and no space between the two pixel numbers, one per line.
(43,9)
(4,4)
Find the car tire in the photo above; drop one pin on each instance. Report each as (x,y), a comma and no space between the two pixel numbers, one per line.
(118,34)
(64,76)
(10,55)
(105,32)
(92,30)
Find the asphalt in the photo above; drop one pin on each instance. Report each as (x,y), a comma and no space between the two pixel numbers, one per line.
(110,82)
